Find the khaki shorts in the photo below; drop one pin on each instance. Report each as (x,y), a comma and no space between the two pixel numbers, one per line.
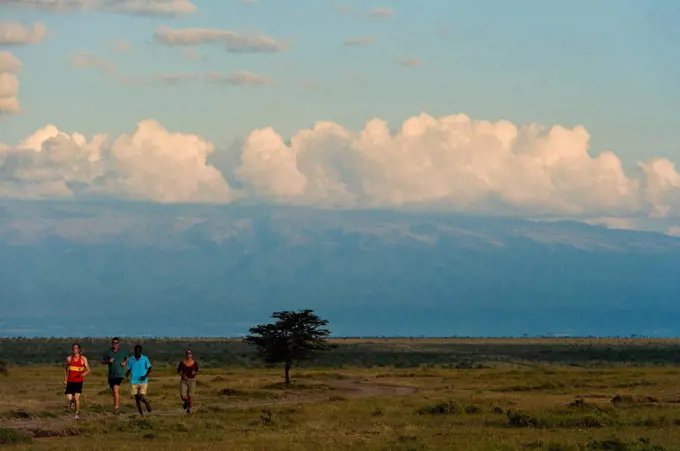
(139,389)
(187,387)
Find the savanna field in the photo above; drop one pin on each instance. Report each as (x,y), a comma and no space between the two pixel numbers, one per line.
(366,394)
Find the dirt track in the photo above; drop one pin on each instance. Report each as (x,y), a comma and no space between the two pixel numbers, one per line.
(347,389)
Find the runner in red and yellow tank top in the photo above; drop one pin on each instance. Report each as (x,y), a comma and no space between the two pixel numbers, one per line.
(75,370)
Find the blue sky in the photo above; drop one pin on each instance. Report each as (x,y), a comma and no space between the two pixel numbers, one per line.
(612,66)
(609,65)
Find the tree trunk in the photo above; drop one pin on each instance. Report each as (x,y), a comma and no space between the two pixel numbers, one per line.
(287,372)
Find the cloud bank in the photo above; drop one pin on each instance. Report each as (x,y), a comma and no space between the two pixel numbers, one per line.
(451,163)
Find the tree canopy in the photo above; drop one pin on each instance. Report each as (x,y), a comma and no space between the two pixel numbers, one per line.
(295,336)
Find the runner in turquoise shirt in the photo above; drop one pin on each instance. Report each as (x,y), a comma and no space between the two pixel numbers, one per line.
(138,368)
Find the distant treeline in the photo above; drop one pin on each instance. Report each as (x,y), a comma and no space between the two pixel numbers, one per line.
(398,353)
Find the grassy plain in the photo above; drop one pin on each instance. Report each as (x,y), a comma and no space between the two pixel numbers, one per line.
(540,398)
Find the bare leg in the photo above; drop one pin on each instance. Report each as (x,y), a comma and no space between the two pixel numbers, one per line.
(69,402)
(146,402)
(116,397)
(138,401)
(77,403)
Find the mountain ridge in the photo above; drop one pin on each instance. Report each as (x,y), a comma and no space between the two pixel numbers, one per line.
(371,272)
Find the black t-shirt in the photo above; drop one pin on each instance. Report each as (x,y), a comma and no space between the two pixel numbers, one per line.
(188,371)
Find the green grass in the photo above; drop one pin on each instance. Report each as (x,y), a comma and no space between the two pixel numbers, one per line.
(501,407)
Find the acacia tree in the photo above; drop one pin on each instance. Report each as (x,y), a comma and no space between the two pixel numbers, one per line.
(295,336)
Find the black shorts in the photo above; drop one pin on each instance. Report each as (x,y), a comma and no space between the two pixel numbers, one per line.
(73,387)
(113,381)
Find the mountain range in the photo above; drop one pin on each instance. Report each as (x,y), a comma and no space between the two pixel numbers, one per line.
(124,268)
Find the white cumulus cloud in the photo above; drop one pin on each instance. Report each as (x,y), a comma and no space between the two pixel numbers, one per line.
(15,33)
(151,164)
(662,186)
(452,163)
(9,63)
(9,83)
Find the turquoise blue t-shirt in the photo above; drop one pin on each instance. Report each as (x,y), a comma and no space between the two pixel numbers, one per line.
(138,368)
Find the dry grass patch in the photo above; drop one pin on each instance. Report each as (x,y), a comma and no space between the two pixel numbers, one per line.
(556,408)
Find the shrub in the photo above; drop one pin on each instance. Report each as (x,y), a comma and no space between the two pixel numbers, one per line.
(587,422)
(471,409)
(18,414)
(144,424)
(579,402)
(13,437)
(51,433)
(519,419)
(623,399)
(557,447)
(613,444)
(442,408)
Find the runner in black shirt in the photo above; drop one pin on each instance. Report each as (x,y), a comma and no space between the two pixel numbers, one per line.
(187,370)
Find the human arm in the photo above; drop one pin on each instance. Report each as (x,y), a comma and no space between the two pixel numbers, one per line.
(148,370)
(87,366)
(68,361)
(179,371)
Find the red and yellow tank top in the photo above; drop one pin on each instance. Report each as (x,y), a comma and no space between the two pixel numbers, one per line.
(76,369)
